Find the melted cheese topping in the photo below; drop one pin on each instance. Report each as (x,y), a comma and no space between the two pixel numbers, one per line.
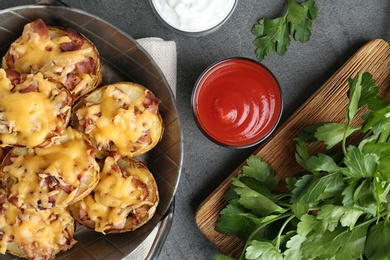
(29,118)
(40,52)
(38,232)
(39,175)
(121,118)
(116,195)
(33,53)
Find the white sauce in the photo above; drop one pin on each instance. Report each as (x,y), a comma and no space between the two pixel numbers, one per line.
(193,15)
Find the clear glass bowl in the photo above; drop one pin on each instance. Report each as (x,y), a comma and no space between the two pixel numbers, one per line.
(237,102)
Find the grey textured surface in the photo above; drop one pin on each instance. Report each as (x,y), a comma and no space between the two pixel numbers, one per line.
(341,29)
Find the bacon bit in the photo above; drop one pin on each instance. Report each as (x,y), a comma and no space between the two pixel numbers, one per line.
(88,125)
(29,88)
(151,102)
(70,241)
(91,149)
(76,41)
(115,167)
(136,147)
(52,199)
(142,186)
(49,181)
(72,80)
(10,60)
(133,218)
(146,138)
(137,111)
(123,172)
(38,27)
(14,76)
(83,215)
(86,66)
(69,46)
(107,146)
(67,188)
(10,158)
(14,200)
(67,101)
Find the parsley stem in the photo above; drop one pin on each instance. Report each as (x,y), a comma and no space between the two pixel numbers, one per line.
(384,136)
(345,139)
(281,230)
(249,239)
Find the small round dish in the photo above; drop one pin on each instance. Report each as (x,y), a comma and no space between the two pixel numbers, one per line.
(193,17)
(237,102)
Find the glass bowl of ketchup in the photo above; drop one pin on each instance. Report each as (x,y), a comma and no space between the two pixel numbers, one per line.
(237,102)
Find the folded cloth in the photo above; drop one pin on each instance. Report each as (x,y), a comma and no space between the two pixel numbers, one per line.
(164,54)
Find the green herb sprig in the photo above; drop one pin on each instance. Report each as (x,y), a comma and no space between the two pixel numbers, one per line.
(338,208)
(275,34)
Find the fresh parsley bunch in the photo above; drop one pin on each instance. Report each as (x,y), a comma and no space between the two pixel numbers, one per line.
(338,208)
(275,34)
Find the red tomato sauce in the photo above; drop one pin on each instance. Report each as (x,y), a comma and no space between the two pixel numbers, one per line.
(237,102)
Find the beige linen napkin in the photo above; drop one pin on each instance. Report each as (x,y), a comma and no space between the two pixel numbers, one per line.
(164,54)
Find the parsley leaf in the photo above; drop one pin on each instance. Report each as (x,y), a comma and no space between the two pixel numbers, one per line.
(360,194)
(256,202)
(301,28)
(333,133)
(262,250)
(322,163)
(379,232)
(341,243)
(333,215)
(275,34)
(378,121)
(260,171)
(358,164)
(235,220)
(313,188)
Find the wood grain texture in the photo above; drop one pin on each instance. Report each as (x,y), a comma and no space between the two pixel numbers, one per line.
(328,103)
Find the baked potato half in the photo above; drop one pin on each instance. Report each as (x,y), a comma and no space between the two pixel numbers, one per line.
(125,198)
(34,234)
(62,54)
(122,118)
(33,109)
(51,176)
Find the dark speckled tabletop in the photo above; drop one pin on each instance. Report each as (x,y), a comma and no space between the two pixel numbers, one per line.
(340,30)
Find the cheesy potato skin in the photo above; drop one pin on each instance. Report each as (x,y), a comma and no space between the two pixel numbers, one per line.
(125,198)
(33,110)
(52,176)
(121,118)
(61,54)
(34,234)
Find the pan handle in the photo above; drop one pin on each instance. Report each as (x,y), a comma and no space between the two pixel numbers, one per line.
(50,2)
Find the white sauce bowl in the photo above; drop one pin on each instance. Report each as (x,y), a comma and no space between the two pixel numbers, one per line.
(193,17)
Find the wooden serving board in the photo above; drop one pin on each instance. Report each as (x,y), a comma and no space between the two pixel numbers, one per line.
(328,103)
